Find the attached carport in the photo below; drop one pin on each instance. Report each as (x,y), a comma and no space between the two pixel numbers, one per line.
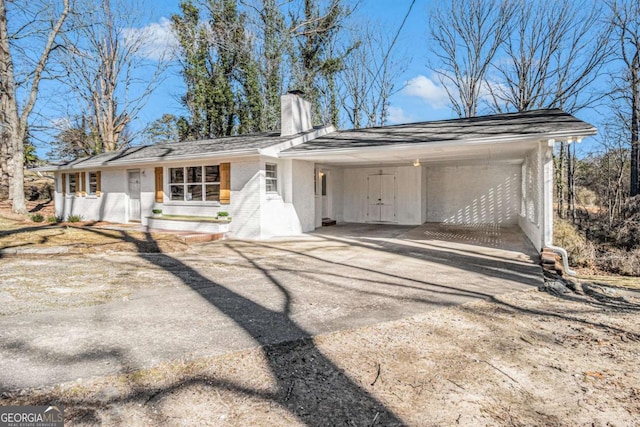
(484,170)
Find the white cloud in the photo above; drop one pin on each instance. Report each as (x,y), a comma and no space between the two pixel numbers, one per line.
(156,41)
(397,116)
(429,91)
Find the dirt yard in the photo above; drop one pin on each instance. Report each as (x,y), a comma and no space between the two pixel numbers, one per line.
(528,358)
(518,359)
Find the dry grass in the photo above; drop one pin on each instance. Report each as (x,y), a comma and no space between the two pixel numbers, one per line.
(20,233)
(85,239)
(582,253)
(598,257)
(612,280)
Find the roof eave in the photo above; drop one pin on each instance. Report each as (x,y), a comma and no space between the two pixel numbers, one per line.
(275,149)
(145,162)
(558,136)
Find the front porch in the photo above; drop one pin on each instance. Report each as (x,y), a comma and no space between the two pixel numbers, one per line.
(197,224)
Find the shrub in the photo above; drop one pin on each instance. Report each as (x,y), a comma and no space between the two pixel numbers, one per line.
(156,211)
(37,217)
(74,218)
(618,261)
(223,214)
(581,252)
(53,219)
(586,196)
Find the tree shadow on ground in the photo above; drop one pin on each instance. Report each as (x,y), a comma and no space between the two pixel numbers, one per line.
(526,273)
(309,385)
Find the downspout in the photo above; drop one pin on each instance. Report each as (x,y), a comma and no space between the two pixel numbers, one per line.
(565,257)
(548,238)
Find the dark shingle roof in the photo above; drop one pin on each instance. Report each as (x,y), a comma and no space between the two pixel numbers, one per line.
(501,126)
(178,150)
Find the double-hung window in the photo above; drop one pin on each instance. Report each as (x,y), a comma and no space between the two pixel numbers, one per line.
(271,176)
(73,184)
(195,183)
(93,183)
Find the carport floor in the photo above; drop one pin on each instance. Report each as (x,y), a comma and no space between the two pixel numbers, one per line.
(482,237)
(490,239)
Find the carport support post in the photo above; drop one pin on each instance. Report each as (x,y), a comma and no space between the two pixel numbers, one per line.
(546,160)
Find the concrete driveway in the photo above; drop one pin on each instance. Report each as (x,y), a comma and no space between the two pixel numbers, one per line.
(231,295)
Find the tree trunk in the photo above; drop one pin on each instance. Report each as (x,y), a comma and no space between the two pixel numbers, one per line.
(635,125)
(13,132)
(15,122)
(6,150)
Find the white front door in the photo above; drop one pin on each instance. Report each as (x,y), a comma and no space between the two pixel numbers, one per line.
(133,190)
(381,198)
(387,198)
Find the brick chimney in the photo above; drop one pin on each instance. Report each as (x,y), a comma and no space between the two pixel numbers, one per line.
(295,114)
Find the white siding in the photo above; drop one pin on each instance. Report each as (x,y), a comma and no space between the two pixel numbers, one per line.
(409,194)
(424,195)
(111,205)
(474,194)
(530,220)
(287,213)
(303,193)
(337,193)
(245,199)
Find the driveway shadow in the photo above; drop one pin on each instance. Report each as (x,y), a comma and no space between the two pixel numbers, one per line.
(309,384)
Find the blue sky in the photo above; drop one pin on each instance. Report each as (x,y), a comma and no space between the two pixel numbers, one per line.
(421,99)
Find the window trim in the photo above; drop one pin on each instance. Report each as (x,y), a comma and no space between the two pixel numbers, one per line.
(271,179)
(97,184)
(72,177)
(186,183)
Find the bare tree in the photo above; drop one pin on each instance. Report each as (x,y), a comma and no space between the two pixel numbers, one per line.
(465,37)
(613,165)
(552,56)
(15,117)
(368,79)
(626,23)
(107,55)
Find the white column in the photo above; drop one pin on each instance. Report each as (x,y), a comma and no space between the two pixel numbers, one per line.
(546,204)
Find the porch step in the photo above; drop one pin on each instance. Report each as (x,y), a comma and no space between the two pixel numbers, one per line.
(201,237)
(551,261)
(328,221)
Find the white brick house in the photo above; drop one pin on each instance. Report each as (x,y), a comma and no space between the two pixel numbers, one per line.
(491,169)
